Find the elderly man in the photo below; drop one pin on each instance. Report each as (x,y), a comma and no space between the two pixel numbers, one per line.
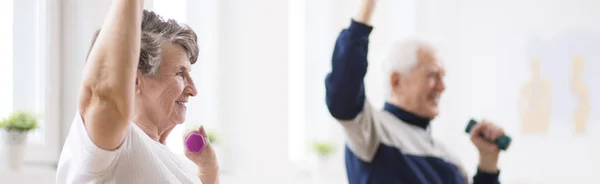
(393,145)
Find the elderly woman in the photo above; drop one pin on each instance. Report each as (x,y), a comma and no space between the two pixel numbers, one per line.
(135,88)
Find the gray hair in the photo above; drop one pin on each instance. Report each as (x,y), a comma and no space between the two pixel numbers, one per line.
(155,32)
(402,58)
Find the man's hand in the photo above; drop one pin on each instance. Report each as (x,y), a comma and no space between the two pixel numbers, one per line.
(206,160)
(366,12)
(488,150)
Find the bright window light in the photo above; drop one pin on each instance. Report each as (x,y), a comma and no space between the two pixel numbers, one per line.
(6,64)
(297,145)
(173,9)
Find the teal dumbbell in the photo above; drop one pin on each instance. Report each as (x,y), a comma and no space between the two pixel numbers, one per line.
(503,142)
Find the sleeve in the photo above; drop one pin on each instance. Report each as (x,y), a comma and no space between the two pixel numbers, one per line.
(486,178)
(345,93)
(91,159)
(479,178)
(361,133)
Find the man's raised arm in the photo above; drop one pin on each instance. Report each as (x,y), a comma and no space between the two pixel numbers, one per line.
(345,93)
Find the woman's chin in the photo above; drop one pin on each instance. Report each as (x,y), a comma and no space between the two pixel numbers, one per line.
(178,119)
(178,114)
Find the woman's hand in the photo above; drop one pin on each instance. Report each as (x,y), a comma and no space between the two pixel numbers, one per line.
(206,159)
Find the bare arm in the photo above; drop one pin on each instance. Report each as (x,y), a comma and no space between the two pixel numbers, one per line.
(366,12)
(106,95)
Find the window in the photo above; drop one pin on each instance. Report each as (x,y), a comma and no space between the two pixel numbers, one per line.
(297,146)
(29,73)
(6,78)
(312,36)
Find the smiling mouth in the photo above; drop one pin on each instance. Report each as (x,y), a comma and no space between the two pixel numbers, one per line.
(181,103)
(435,98)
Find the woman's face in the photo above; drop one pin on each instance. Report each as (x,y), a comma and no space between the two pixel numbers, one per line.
(167,93)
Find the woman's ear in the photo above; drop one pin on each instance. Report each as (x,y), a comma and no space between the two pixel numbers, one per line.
(138,82)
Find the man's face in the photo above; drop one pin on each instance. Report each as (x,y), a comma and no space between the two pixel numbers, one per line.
(419,91)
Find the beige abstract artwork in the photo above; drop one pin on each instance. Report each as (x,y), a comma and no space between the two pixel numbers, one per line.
(535,102)
(582,111)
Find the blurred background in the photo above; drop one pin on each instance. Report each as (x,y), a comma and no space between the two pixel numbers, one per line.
(527,65)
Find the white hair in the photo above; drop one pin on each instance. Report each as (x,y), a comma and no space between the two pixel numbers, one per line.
(402,58)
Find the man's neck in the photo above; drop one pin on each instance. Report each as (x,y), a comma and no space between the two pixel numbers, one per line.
(406,115)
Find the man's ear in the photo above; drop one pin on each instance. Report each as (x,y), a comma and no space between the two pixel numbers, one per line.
(394,81)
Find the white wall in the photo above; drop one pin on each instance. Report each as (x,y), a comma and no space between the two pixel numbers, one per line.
(487,52)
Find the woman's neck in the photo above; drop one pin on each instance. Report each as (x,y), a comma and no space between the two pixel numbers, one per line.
(153,127)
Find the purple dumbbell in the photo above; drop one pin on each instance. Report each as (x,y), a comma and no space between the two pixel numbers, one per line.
(195,142)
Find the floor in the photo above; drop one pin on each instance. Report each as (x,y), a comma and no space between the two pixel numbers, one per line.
(48,177)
